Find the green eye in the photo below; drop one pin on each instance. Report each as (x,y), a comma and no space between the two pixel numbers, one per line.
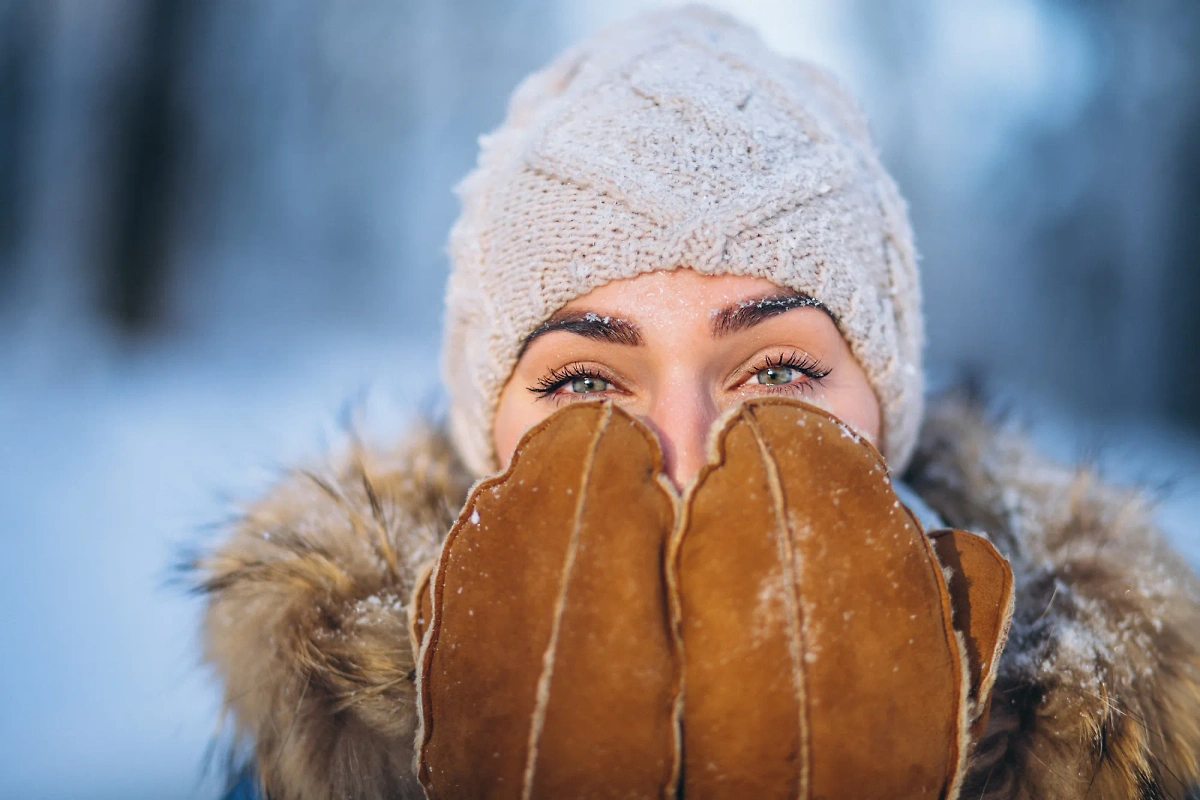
(776,376)
(586,384)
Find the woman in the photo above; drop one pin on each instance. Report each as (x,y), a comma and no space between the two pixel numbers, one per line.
(673,218)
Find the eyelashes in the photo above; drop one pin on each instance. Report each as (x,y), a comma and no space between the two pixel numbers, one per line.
(806,365)
(557,378)
(801,362)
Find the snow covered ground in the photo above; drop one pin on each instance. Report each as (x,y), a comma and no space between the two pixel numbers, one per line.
(104,474)
(112,463)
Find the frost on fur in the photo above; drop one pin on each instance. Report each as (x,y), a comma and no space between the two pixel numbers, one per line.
(307,621)
(1098,690)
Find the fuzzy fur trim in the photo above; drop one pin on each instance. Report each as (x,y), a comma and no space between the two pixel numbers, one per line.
(1098,688)
(307,625)
(1097,694)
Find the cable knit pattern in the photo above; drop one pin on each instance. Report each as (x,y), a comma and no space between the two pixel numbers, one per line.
(678,140)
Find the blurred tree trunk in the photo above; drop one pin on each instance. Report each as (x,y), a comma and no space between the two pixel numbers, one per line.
(145,189)
(1183,302)
(1127,261)
(20,39)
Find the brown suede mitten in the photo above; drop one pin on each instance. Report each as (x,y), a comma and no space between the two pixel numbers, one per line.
(791,627)
(820,655)
(548,667)
(981,592)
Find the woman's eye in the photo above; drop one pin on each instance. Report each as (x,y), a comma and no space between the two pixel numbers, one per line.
(572,380)
(776,376)
(586,384)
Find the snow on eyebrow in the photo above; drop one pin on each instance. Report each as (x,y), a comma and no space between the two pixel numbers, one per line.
(748,313)
(588,324)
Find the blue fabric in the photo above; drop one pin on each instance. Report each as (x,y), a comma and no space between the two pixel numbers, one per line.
(928,518)
(246,788)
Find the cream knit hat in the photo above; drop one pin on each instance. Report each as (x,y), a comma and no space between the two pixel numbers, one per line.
(678,140)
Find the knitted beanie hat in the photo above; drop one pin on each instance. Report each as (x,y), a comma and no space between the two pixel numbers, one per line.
(678,140)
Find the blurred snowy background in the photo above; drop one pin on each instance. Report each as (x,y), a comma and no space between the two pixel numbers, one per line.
(221,224)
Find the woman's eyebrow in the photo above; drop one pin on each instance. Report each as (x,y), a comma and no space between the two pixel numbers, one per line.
(747,313)
(589,325)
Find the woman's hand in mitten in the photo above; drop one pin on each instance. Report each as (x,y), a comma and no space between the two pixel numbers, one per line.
(792,611)
(548,667)
(821,657)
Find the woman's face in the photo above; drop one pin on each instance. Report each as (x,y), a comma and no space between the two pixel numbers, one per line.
(676,349)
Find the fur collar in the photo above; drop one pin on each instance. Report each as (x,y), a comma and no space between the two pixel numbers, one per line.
(1098,693)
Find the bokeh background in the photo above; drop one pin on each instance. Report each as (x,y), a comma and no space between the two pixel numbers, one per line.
(221,226)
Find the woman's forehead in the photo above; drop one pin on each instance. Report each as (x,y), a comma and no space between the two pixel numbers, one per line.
(676,287)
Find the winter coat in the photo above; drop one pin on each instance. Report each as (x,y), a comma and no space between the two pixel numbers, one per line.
(1098,688)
